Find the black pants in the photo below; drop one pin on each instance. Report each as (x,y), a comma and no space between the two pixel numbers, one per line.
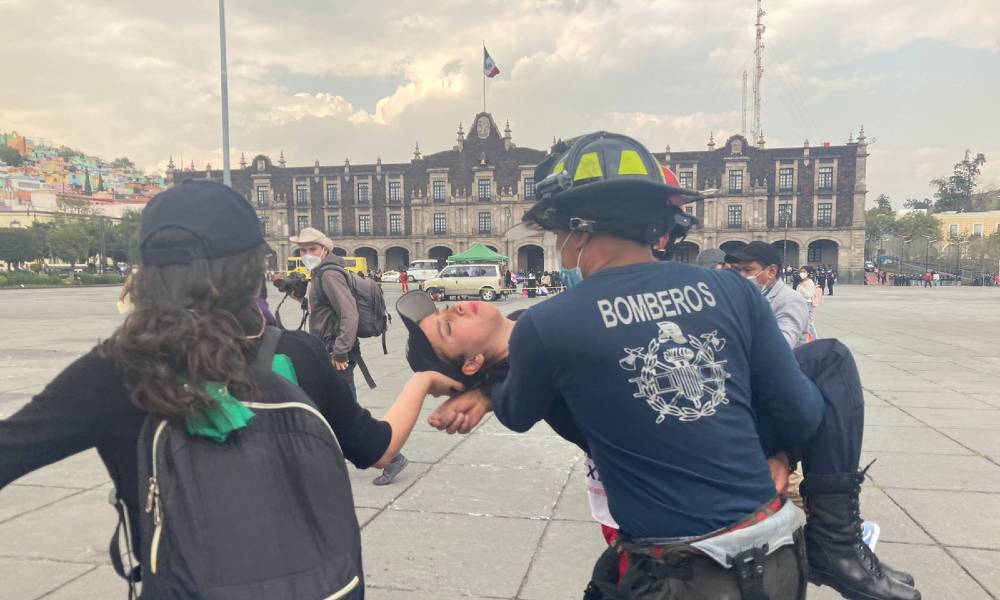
(836,446)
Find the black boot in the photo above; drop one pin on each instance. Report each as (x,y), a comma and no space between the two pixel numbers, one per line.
(837,555)
(901,576)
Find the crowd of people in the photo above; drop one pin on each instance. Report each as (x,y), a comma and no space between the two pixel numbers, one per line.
(694,392)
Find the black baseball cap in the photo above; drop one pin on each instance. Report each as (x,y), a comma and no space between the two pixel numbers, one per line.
(761,252)
(222,220)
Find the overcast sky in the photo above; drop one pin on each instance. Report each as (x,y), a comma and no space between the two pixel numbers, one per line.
(326,80)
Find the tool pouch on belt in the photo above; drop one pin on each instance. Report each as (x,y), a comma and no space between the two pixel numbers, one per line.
(765,561)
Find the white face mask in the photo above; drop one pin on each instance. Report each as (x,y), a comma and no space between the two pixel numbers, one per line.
(803,274)
(310,261)
(753,280)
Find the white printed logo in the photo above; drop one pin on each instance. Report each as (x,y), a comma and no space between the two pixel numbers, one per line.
(683,380)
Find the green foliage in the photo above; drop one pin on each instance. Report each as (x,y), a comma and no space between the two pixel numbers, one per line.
(882,204)
(10,156)
(71,242)
(913,203)
(89,279)
(18,245)
(917,225)
(30,279)
(122,163)
(956,191)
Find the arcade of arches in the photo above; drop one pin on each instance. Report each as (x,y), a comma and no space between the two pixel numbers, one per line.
(815,252)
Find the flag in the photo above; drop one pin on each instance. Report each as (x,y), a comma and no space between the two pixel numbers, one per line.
(490,68)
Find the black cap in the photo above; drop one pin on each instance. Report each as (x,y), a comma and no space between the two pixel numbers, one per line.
(221,219)
(761,252)
(414,307)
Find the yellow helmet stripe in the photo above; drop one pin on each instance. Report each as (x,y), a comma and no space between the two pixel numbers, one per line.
(631,164)
(589,167)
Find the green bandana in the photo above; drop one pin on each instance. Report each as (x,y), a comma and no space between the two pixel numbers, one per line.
(229,414)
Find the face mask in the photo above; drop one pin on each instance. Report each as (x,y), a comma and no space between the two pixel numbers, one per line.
(803,274)
(753,280)
(310,261)
(570,277)
(134,271)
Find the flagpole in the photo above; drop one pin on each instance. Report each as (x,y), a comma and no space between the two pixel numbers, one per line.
(484,75)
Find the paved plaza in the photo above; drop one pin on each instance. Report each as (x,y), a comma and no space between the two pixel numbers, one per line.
(500,515)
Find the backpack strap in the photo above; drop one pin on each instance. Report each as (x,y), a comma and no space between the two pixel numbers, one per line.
(134,573)
(268,346)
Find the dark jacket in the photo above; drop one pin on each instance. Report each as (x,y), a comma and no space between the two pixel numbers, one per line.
(333,312)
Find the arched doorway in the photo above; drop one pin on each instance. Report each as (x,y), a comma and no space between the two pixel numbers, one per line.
(440,254)
(339,251)
(732,246)
(823,252)
(270,259)
(370,255)
(685,252)
(396,258)
(530,258)
(789,252)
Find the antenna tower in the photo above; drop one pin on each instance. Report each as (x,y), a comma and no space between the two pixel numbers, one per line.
(743,130)
(757,130)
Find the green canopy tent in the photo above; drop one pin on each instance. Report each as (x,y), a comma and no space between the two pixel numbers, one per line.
(477,253)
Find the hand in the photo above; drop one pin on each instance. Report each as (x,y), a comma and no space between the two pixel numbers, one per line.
(339,365)
(461,413)
(440,385)
(779,472)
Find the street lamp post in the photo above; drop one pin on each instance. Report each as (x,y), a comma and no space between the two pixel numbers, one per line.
(927,255)
(226,175)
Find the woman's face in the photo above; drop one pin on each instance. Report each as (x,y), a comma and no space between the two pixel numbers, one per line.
(463,329)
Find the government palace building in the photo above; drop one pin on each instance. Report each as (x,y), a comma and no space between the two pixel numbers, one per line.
(807,200)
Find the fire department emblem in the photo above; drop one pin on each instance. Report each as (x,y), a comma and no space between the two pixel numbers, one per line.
(679,375)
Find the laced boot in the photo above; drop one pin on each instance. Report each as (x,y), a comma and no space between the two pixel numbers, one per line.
(838,557)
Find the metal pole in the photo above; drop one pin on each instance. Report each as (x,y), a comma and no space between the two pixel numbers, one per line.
(226,176)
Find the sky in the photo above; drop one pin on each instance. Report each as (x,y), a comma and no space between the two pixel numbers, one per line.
(328,80)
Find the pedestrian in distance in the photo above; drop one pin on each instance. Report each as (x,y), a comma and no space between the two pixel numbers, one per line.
(404,280)
(807,288)
(831,279)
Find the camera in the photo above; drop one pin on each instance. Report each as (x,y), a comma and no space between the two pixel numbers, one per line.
(294,284)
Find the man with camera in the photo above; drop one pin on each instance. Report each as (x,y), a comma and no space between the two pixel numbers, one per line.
(333,316)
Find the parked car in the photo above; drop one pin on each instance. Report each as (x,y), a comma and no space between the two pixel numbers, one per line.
(422,269)
(482,280)
(869,266)
(391,277)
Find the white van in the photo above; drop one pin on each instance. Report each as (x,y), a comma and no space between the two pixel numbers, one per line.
(422,270)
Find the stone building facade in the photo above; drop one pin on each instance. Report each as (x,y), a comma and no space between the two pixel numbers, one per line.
(808,200)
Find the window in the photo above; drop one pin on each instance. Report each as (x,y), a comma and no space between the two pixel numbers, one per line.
(332,194)
(260,165)
(438,191)
(395,192)
(363,193)
(395,224)
(977,229)
(824,214)
(785,176)
(735,214)
(364,224)
(333,224)
(261,196)
(265,225)
(785,214)
(953,231)
(736,182)
(485,222)
(439,223)
(529,188)
(815,254)
(686,179)
(825,180)
(302,194)
(484,190)
(452,272)
(301,223)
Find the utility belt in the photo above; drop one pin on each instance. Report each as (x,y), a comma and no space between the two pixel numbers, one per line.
(760,558)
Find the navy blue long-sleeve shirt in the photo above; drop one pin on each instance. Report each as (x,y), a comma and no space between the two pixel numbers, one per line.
(657,364)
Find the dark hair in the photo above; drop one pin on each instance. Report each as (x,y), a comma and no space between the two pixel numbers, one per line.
(190,326)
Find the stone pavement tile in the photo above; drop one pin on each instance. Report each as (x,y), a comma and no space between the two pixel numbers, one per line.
(822,593)
(983,441)
(905,383)
(494,426)
(26,579)
(427,447)
(933,471)
(972,386)
(378,593)
(456,554)
(954,518)
(895,525)
(83,470)
(102,583)
(18,499)
(872,400)
(365,515)
(982,564)
(969,419)
(991,399)
(75,529)
(888,438)
(565,561)
(369,495)
(522,451)
(477,490)
(889,415)
(937,574)
(937,399)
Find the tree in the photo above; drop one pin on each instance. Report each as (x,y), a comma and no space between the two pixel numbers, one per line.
(86,183)
(955,192)
(70,241)
(882,204)
(880,222)
(11,156)
(122,163)
(17,245)
(914,204)
(916,226)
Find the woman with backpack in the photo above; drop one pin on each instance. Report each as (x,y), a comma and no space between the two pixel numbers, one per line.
(225,438)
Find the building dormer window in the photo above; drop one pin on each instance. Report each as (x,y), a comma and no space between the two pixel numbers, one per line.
(437,191)
(824,179)
(736,182)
